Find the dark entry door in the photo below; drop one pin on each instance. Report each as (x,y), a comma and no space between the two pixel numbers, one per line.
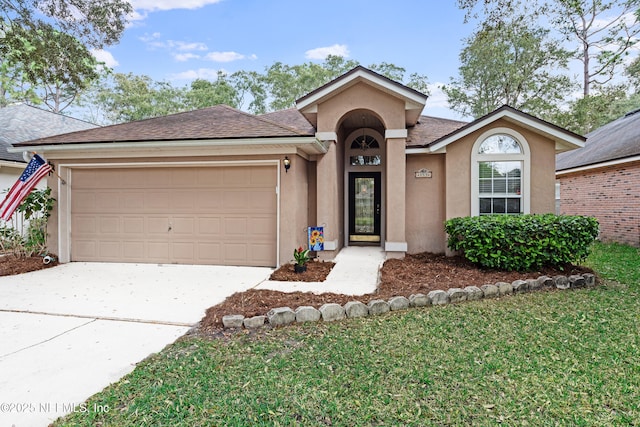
(364,207)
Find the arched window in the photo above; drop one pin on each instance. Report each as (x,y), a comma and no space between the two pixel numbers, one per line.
(500,184)
(365,151)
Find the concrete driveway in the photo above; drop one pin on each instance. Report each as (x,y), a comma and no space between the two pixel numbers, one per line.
(68,332)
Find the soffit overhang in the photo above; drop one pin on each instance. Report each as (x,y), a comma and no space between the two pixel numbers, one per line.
(303,146)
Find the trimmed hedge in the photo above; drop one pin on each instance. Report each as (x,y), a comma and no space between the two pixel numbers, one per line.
(522,242)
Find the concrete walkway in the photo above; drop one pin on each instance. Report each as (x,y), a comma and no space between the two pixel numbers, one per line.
(356,272)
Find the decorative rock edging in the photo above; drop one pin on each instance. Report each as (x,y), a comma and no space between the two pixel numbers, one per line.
(282,316)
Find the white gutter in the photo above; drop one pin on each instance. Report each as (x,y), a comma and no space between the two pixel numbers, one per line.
(79,146)
(599,165)
(12,164)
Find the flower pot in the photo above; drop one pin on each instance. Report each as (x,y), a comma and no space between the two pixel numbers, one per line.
(299,268)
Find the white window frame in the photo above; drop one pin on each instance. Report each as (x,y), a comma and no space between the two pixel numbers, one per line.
(524,157)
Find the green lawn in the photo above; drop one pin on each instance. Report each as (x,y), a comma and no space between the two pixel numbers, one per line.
(547,358)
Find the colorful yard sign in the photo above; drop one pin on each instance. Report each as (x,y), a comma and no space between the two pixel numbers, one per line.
(316,238)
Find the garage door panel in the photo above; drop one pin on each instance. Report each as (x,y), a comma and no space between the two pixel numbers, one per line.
(183,178)
(236,177)
(86,248)
(182,252)
(209,253)
(236,200)
(132,201)
(110,225)
(261,227)
(209,226)
(201,215)
(234,227)
(209,178)
(209,201)
(157,226)
(262,177)
(183,225)
(109,250)
(85,224)
(83,201)
(184,201)
(262,201)
(133,250)
(260,252)
(133,225)
(157,201)
(105,201)
(235,253)
(158,250)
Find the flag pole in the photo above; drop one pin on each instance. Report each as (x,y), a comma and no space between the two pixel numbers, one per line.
(62,181)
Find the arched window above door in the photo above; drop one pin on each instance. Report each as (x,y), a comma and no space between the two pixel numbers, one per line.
(365,151)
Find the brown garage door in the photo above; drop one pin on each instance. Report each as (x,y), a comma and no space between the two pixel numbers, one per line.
(183,215)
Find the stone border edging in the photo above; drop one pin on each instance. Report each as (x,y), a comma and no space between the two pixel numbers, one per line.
(330,312)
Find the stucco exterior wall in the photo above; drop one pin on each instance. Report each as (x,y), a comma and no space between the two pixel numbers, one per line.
(611,194)
(294,208)
(425,204)
(361,96)
(458,177)
(542,171)
(543,175)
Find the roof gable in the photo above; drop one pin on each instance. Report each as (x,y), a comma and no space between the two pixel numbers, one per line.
(616,140)
(414,100)
(564,139)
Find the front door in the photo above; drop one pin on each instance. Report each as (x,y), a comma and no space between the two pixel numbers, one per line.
(364,207)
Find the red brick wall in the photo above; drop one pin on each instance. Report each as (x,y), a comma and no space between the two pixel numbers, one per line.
(611,194)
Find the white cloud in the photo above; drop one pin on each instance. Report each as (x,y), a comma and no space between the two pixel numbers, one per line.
(154,5)
(224,56)
(185,46)
(201,73)
(183,57)
(323,52)
(105,56)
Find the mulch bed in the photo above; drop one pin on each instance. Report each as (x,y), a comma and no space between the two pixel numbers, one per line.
(317,271)
(414,274)
(10,264)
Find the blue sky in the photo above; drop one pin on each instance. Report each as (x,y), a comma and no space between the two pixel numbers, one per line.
(179,40)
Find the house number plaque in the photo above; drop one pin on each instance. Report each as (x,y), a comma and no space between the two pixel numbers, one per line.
(423,173)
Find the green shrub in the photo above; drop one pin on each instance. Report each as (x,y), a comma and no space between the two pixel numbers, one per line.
(26,233)
(522,242)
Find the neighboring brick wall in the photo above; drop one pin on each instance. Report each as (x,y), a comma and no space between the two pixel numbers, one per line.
(611,194)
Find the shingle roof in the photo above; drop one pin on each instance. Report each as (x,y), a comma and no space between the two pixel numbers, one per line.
(20,122)
(292,118)
(224,122)
(616,140)
(427,130)
(430,129)
(217,122)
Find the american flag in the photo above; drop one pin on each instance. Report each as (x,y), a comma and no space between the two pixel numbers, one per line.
(34,172)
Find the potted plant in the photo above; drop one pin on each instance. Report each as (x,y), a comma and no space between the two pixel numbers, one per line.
(301,257)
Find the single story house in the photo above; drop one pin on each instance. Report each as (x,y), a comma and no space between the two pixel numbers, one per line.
(21,122)
(602,179)
(355,156)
